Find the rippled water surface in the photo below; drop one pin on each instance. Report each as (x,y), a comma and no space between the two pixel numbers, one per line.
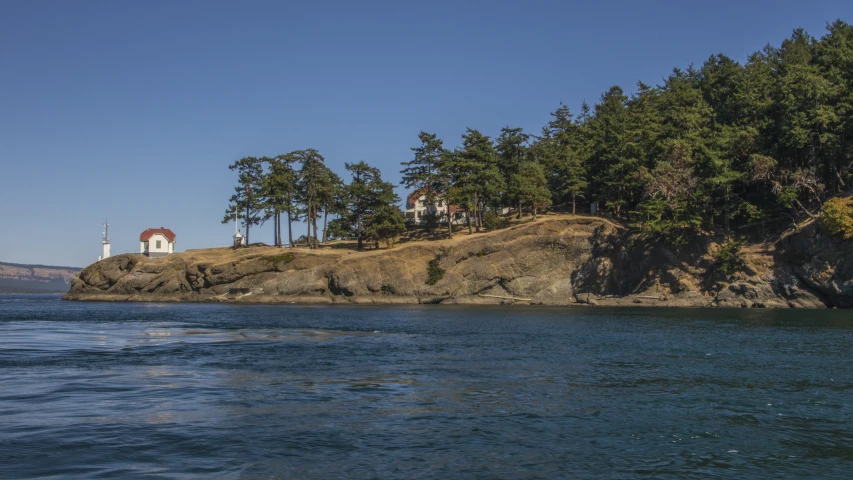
(92,390)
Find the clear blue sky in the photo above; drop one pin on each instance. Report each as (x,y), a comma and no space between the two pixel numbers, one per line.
(132,111)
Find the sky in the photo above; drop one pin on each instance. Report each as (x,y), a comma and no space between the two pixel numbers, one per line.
(132,111)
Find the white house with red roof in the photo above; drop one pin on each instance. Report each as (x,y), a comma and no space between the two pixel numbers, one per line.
(416,209)
(157,242)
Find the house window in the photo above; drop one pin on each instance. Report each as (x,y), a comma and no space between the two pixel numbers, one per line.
(440,203)
(157,245)
(145,246)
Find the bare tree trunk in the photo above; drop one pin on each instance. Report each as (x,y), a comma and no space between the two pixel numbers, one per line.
(574,203)
(289,229)
(358,229)
(449,223)
(837,174)
(519,210)
(468,217)
(796,200)
(314,220)
(278,232)
(274,231)
(325,223)
(308,222)
(534,212)
(248,224)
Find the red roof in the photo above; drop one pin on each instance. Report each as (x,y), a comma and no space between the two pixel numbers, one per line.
(149,232)
(413,197)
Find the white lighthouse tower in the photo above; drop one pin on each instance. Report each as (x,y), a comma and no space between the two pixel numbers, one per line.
(105,242)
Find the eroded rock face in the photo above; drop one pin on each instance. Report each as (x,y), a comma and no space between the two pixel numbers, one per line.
(554,262)
(824,264)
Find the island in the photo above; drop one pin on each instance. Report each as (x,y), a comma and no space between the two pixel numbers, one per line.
(554,260)
(728,184)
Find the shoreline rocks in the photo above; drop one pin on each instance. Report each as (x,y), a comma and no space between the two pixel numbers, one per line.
(582,261)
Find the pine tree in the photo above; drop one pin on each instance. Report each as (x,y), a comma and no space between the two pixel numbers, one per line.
(280,192)
(564,166)
(366,194)
(248,197)
(316,186)
(608,164)
(384,225)
(530,187)
(512,149)
(475,177)
(426,173)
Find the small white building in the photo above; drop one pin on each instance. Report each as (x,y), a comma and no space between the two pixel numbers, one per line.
(416,209)
(157,242)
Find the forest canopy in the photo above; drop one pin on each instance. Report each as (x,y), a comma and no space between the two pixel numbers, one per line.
(716,146)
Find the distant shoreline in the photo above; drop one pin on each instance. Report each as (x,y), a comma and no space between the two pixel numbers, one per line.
(32,293)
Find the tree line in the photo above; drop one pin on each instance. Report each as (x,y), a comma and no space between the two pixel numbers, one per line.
(722,145)
(301,187)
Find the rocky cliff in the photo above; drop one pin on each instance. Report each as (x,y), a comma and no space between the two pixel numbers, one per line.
(555,261)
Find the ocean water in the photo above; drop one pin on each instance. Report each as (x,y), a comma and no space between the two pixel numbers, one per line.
(109,390)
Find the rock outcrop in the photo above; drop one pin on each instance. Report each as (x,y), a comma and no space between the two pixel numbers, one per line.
(555,261)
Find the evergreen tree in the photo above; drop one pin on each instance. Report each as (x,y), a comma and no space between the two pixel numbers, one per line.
(561,140)
(338,227)
(316,186)
(279,187)
(512,151)
(609,165)
(834,58)
(384,225)
(530,187)
(426,173)
(248,197)
(366,195)
(475,177)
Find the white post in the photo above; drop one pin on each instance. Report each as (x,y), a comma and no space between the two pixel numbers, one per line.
(237,235)
(105,242)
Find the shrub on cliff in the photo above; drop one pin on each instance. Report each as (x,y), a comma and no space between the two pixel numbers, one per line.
(283,258)
(728,259)
(492,221)
(836,217)
(434,272)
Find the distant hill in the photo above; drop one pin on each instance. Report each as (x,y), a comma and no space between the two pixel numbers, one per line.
(20,278)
